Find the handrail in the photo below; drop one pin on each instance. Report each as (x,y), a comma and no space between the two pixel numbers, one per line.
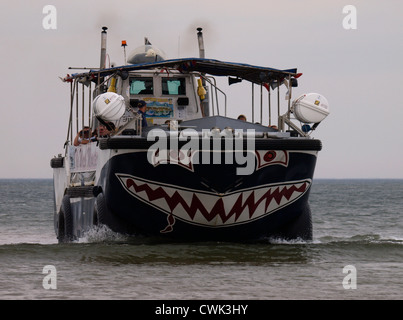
(207,78)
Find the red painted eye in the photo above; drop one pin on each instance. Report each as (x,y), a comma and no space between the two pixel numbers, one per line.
(269,156)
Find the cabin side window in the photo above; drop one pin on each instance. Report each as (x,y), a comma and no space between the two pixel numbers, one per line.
(141,86)
(173,86)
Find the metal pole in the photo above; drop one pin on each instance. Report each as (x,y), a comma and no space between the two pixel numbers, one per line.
(212,97)
(289,93)
(205,103)
(70,129)
(98,87)
(278,103)
(82,111)
(103,48)
(89,104)
(269,97)
(253,103)
(289,98)
(216,98)
(261,104)
(201,43)
(76,106)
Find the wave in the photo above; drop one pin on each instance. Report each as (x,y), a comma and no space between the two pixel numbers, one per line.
(102,234)
(369,238)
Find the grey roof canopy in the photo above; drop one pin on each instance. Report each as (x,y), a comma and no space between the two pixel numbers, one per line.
(248,72)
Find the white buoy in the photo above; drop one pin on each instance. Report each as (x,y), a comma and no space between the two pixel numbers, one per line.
(311,108)
(109,106)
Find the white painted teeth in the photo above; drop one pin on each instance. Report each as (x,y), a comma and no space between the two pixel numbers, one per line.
(211,209)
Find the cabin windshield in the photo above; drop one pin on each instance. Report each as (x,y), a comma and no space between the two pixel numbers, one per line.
(173,86)
(141,86)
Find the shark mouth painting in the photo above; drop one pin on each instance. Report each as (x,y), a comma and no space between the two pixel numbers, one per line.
(210,209)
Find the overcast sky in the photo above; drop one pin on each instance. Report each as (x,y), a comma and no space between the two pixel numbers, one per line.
(359,71)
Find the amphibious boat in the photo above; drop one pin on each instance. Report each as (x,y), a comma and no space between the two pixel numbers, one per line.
(191,173)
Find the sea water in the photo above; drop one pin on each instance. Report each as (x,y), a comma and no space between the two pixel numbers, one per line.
(356,253)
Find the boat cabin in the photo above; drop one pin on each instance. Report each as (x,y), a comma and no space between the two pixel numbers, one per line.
(169,95)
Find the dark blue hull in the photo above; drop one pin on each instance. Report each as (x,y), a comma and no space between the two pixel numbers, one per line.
(208,201)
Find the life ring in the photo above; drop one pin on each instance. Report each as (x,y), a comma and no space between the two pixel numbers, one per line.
(65,221)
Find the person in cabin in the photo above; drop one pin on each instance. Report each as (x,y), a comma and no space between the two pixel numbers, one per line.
(242,117)
(142,105)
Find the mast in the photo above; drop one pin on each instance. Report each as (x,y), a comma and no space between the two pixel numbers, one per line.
(205,102)
(201,42)
(103,48)
(102,60)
